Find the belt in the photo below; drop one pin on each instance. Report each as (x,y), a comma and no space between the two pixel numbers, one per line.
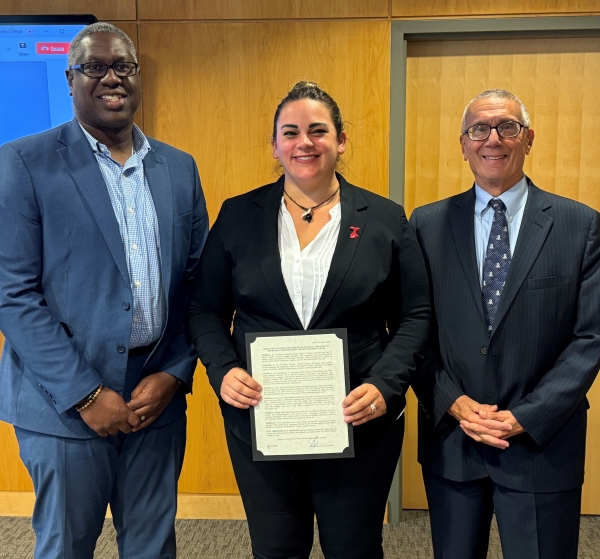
(142,350)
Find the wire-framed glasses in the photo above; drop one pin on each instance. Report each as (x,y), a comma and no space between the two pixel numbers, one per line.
(508,129)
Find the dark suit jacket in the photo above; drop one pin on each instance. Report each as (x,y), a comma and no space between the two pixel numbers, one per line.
(376,281)
(65,293)
(542,356)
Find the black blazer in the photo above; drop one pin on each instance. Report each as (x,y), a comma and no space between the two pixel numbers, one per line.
(376,288)
(543,354)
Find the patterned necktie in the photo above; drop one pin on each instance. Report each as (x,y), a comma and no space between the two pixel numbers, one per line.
(496,264)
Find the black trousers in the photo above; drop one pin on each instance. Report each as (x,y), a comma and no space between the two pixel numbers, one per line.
(531,525)
(348,496)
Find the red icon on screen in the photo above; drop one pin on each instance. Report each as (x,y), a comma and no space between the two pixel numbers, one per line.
(52,48)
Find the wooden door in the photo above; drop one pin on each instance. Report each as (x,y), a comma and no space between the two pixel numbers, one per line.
(558,80)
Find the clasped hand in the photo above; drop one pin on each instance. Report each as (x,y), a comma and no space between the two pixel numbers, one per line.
(240,390)
(110,414)
(484,423)
(151,396)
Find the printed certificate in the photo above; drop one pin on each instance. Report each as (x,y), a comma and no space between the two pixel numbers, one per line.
(305,377)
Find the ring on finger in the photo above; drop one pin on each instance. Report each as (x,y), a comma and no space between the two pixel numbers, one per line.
(373,409)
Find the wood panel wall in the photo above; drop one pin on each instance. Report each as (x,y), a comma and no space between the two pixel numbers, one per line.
(222,109)
(105,11)
(466,8)
(222,113)
(261,9)
(13,475)
(211,88)
(213,72)
(558,81)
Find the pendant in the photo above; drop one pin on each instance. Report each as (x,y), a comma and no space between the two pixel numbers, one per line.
(307,215)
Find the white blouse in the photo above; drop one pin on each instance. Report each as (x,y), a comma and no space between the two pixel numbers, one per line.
(305,271)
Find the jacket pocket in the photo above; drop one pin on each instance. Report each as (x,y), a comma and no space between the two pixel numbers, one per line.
(183,218)
(549,281)
(362,359)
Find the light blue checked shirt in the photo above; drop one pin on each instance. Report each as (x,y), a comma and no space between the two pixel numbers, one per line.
(514,199)
(134,209)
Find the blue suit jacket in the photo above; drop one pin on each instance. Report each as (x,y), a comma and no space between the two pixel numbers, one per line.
(65,296)
(543,353)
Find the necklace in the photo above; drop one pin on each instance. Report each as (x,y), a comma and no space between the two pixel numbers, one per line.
(308,212)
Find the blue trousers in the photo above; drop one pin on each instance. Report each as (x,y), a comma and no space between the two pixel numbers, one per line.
(76,479)
(531,525)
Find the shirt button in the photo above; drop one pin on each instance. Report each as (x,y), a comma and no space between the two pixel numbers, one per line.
(297,291)
(138,283)
(121,349)
(484,350)
(130,210)
(126,306)
(136,319)
(134,247)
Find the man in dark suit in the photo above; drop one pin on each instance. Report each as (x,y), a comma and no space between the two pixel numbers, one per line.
(101,231)
(515,280)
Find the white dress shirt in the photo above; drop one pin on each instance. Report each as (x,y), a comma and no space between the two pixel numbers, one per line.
(514,199)
(305,271)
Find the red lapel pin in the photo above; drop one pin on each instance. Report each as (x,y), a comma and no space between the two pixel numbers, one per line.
(354,234)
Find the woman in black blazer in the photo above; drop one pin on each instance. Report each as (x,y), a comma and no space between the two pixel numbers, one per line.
(261,268)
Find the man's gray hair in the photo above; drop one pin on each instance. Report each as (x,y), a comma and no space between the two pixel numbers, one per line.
(76,48)
(497,94)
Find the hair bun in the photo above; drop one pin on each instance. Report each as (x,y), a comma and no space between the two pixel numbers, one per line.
(305,85)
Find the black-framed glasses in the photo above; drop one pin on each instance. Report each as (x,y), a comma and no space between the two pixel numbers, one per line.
(99,69)
(508,129)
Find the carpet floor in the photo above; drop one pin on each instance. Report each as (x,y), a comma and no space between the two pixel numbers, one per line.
(228,539)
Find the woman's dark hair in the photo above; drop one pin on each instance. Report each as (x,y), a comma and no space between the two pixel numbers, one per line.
(310,90)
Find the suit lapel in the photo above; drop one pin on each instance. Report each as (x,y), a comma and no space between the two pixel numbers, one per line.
(266,237)
(463,234)
(83,167)
(267,245)
(534,229)
(157,173)
(352,202)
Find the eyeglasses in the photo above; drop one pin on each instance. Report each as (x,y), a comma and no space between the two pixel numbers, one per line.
(480,132)
(99,69)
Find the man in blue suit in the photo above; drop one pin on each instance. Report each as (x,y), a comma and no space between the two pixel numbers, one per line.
(515,280)
(101,231)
